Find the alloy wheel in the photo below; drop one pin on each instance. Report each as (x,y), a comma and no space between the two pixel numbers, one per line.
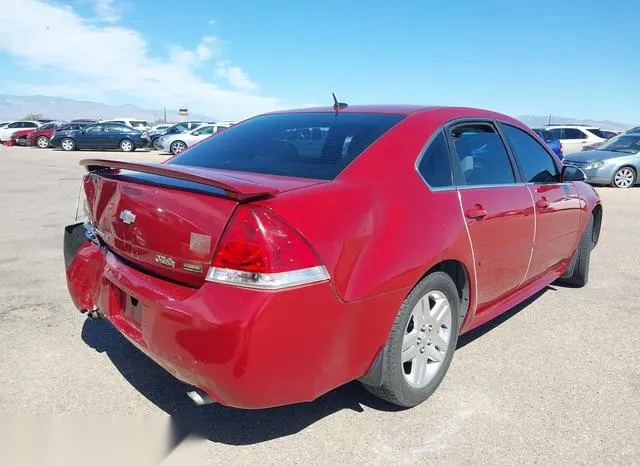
(624,178)
(426,339)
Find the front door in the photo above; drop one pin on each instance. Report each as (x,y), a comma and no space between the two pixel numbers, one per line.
(557,205)
(497,208)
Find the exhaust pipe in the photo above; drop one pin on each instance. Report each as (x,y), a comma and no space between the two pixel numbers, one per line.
(93,314)
(200,398)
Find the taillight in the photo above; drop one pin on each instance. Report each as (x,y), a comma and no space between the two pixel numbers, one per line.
(260,250)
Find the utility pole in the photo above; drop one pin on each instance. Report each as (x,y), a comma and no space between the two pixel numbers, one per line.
(165,114)
(549,118)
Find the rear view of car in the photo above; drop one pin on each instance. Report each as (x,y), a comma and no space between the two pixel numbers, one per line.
(554,143)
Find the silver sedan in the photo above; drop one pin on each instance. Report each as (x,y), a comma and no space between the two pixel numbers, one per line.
(616,162)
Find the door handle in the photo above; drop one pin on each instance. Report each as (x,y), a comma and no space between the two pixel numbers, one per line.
(542,203)
(477,212)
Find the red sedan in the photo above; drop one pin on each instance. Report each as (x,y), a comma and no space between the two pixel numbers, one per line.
(300,250)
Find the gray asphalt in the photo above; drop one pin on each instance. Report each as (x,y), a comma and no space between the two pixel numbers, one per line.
(556,380)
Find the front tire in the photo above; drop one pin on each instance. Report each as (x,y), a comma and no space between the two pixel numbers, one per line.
(177,147)
(625,177)
(422,342)
(42,142)
(68,144)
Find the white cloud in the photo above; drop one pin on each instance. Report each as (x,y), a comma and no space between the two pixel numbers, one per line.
(211,22)
(112,60)
(106,11)
(236,76)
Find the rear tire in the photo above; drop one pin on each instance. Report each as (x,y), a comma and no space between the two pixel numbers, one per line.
(42,142)
(68,144)
(422,342)
(579,276)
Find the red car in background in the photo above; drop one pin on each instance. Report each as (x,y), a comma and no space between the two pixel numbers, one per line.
(266,271)
(19,138)
(41,136)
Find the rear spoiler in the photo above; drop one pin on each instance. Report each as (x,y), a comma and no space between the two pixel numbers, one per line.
(235,188)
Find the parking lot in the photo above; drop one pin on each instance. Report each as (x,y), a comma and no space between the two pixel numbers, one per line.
(554,381)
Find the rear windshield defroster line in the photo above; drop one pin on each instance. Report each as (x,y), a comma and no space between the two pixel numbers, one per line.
(304,145)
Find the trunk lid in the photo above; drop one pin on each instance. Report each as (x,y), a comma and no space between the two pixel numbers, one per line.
(167,220)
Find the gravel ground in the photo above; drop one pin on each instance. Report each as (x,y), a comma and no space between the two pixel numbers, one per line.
(556,380)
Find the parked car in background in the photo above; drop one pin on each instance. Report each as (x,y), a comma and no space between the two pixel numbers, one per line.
(5,123)
(135,123)
(255,274)
(616,162)
(100,136)
(41,136)
(174,129)
(7,131)
(554,144)
(176,143)
(19,138)
(635,130)
(160,127)
(86,121)
(574,137)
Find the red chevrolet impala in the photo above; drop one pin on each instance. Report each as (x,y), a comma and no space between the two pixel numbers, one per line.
(300,250)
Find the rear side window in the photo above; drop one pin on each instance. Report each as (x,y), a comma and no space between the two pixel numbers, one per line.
(435,164)
(305,145)
(573,133)
(597,132)
(482,155)
(536,163)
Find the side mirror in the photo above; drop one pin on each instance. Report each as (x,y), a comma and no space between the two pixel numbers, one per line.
(569,174)
(196,133)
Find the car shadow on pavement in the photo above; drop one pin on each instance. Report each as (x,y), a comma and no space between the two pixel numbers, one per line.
(236,426)
(476,333)
(215,422)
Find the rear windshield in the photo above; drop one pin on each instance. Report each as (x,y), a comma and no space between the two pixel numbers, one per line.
(304,145)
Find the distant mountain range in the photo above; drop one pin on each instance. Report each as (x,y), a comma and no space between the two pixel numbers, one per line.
(535,121)
(15,107)
(57,108)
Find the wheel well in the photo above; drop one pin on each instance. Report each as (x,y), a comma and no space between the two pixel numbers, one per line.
(597,223)
(458,273)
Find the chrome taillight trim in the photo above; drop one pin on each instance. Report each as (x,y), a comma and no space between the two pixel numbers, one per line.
(268,281)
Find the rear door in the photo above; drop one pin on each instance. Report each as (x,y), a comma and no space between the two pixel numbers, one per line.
(573,140)
(497,207)
(91,137)
(557,205)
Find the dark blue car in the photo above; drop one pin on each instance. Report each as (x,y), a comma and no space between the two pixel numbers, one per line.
(553,143)
(100,136)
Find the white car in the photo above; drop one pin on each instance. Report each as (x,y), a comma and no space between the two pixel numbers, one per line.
(7,130)
(134,123)
(176,143)
(161,126)
(574,138)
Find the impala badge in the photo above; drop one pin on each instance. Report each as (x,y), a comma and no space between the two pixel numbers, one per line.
(164,260)
(127,217)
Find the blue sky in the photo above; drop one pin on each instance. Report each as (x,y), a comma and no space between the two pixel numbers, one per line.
(233,59)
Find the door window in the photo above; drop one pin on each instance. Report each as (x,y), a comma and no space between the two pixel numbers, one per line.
(536,163)
(573,133)
(94,129)
(482,155)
